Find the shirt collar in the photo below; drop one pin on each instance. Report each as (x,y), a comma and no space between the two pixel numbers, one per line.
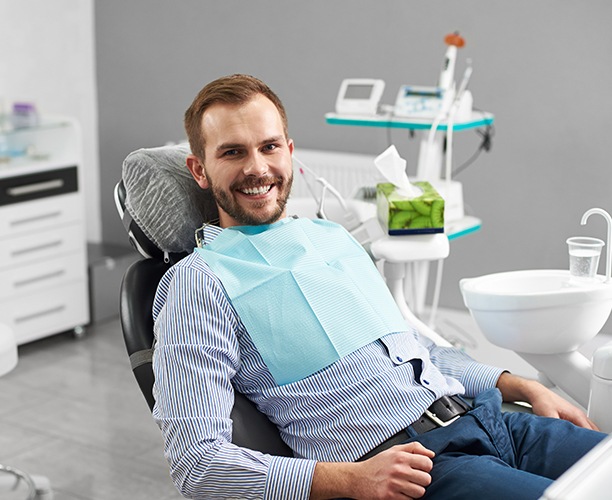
(210,232)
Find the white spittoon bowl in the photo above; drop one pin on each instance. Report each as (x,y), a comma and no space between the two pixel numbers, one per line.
(537,311)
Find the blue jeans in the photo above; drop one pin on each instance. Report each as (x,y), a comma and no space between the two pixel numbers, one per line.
(487,454)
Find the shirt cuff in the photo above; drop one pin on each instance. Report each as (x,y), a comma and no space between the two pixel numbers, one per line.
(289,478)
(478,377)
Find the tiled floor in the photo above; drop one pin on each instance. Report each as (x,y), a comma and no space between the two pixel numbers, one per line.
(71,411)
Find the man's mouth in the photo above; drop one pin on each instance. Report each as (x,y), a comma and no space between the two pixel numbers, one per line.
(257,187)
(254,191)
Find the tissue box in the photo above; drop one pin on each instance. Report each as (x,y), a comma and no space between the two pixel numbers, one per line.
(399,215)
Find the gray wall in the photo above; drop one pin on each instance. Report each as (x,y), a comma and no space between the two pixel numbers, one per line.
(543,68)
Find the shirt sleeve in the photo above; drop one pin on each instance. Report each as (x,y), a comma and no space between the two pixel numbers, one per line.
(195,357)
(452,362)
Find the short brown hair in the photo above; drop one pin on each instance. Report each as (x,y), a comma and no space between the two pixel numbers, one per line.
(233,89)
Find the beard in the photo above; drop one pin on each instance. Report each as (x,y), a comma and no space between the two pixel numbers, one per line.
(255,214)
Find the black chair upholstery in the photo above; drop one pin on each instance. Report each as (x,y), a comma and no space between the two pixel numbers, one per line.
(251,428)
(136,302)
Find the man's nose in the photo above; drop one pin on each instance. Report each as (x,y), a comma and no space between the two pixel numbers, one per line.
(256,164)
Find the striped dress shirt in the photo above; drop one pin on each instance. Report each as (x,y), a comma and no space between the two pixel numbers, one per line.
(203,353)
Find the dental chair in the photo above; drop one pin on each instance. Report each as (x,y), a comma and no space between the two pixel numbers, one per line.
(157,177)
(162,238)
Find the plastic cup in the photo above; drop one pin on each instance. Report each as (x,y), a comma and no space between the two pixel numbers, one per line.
(584,255)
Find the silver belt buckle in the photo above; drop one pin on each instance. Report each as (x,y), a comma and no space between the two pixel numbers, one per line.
(439,422)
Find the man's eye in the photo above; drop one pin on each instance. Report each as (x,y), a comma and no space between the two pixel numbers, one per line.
(230,152)
(269,147)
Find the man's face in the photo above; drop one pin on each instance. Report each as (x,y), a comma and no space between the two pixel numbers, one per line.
(247,162)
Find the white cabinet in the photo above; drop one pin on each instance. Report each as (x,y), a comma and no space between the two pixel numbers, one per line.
(43,249)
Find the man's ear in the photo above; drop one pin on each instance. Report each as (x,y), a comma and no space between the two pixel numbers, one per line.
(196,168)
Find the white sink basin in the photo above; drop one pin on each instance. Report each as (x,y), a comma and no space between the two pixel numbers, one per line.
(537,311)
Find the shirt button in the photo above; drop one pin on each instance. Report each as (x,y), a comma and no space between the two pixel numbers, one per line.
(400,359)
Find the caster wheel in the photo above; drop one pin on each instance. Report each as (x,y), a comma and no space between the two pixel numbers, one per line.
(79,332)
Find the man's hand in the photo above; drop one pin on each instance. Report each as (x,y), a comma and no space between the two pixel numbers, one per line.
(543,401)
(400,472)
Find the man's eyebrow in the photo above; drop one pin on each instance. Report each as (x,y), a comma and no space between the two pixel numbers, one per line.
(229,145)
(276,138)
(235,145)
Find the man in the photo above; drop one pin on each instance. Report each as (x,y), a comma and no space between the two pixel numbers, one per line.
(342,409)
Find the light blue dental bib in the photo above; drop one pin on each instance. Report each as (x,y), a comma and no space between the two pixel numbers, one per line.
(305,302)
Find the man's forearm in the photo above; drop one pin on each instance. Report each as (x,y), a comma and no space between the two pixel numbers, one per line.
(333,480)
(515,388)
(544,402)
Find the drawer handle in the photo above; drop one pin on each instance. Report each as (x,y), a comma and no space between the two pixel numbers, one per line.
(36,218)
(42,277)
(35,188)
(22,251)
(39,314)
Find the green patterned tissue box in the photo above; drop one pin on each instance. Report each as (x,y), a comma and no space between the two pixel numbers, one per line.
(399,215)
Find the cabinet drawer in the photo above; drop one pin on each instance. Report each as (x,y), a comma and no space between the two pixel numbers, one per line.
(39,215)
(39,185)
(46,313)
(39,246)
(42,275)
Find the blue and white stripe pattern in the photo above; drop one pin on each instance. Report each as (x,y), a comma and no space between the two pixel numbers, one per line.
(203,353)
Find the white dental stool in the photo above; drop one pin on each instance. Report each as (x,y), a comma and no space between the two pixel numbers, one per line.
(37,487)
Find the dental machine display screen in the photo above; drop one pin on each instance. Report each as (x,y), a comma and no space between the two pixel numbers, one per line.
(358,91)
(359,96)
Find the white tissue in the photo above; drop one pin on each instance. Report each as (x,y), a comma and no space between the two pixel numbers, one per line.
(393,168)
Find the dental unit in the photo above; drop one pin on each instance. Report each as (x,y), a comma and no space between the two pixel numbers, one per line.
(545,316)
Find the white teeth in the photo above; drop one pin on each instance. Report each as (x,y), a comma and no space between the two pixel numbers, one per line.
(258,190)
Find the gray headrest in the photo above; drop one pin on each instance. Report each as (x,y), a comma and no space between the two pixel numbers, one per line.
(163,198)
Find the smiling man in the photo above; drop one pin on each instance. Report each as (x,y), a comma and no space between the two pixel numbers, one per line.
(247,152)
(294,314)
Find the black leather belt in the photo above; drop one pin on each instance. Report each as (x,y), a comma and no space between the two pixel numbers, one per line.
(441,413)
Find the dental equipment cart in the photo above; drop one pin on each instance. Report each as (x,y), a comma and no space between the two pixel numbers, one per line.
(457,223)
(43,250)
